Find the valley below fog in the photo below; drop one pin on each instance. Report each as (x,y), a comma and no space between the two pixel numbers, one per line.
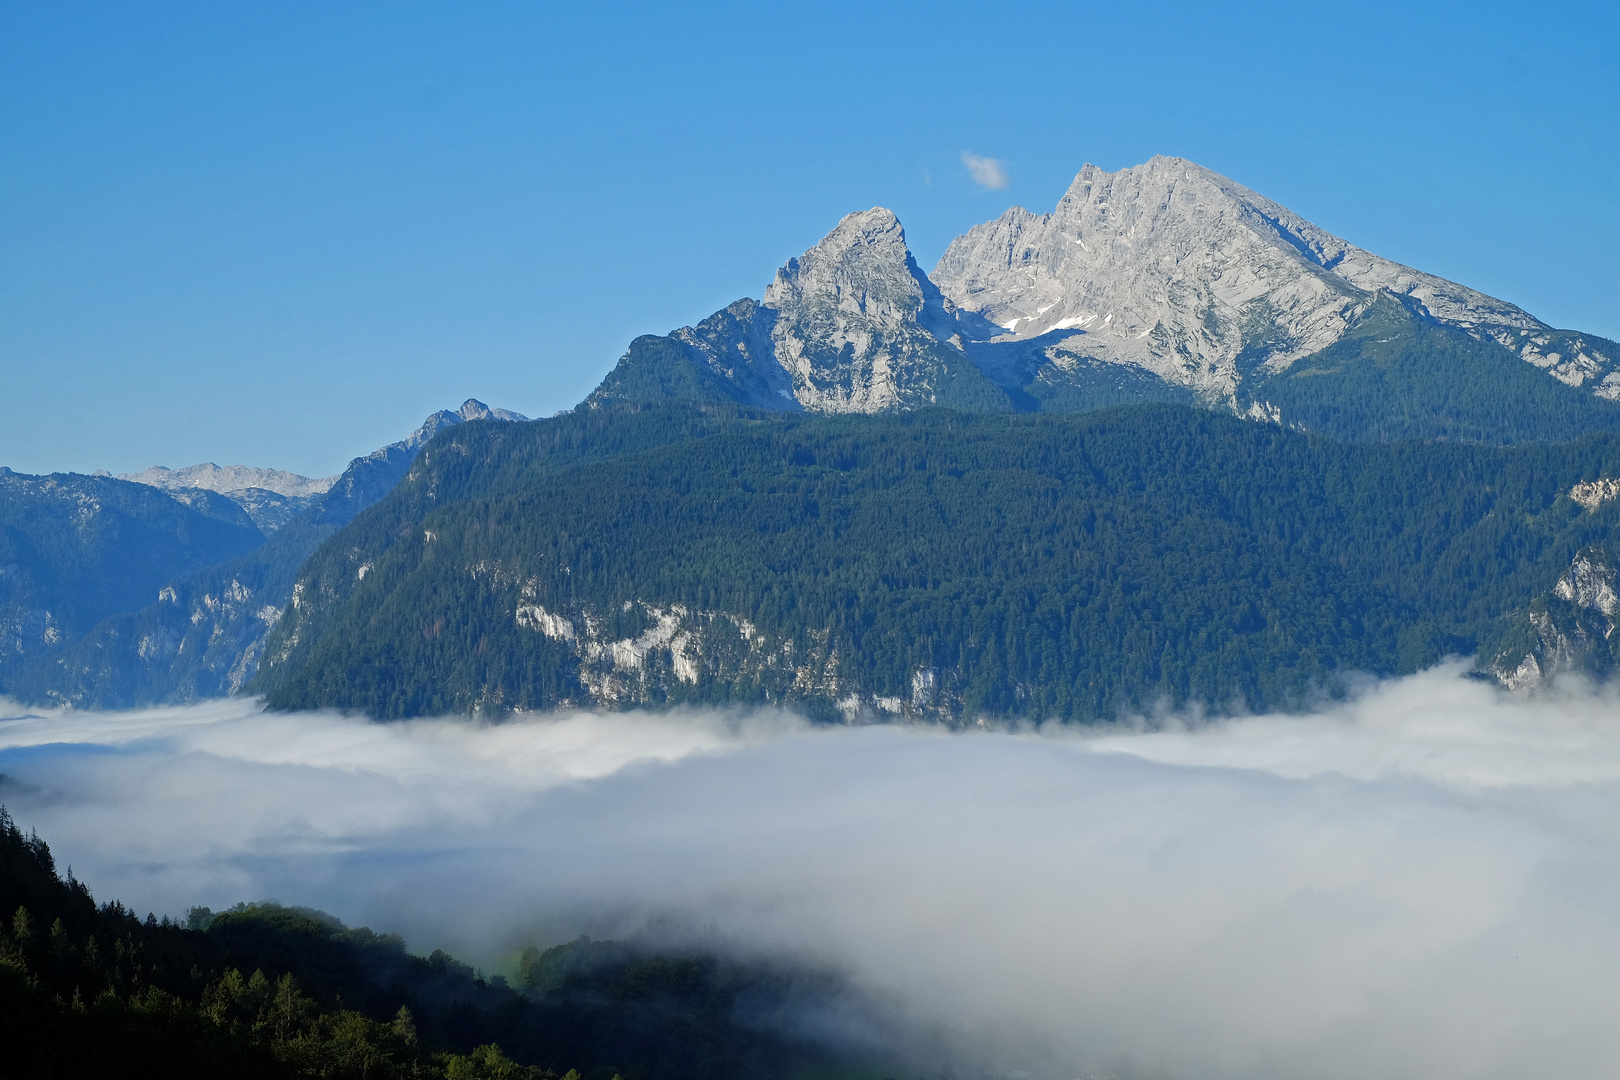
(1417,881)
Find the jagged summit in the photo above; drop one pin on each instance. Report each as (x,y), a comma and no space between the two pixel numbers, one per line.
(1164,282)
(1178,270)
(852,325)
(859,327)
(471,409)
(372,476)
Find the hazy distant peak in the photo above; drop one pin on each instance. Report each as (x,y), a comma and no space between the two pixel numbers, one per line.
(473,409)
(227,478)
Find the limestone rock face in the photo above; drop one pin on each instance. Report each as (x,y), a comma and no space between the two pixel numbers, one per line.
(859,328)
(851,326)
(1163,282)
(735,343)
(1177,270)
(1569,630)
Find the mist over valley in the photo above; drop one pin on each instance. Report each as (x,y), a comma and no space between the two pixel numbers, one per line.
(1417,882)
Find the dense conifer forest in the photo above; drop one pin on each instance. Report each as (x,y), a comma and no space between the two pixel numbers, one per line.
(262,990)
(936,563)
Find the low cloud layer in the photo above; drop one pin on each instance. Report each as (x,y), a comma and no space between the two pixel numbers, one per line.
(1419,883)
(989,173)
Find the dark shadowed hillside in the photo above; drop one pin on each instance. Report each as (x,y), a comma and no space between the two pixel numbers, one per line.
(90,991)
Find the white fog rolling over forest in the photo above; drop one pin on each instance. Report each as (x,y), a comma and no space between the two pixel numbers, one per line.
(1419,882)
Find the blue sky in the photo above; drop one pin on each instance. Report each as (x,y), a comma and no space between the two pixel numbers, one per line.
(281,234)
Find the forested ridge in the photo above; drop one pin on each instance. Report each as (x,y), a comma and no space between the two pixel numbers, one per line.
(262,990)
(932,563)
(1399,374)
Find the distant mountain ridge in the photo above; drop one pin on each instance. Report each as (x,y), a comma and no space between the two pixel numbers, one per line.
(1161,282)
(76,549)
(228,478)
(197,631)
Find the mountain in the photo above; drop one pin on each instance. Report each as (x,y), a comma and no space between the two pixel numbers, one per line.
(188,636)
(1178,270)
(852,325)
(271,497)
(75,549)
(933,564)
(369,478)
(717,541)
(1162,282)
(211,477)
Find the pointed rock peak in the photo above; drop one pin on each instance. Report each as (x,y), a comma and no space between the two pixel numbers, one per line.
(473,409)
(1175,269)
(854,235)
(874,223)
(1159,169)
(863,259)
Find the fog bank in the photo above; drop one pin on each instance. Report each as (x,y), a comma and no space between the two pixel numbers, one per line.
(1420,882)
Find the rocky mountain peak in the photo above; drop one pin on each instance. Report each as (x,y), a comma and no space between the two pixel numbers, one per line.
(857,325)
(1178,270)
(861,272)
(1164,281)
(473,409)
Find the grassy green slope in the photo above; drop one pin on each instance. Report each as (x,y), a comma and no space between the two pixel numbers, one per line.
(1061,566)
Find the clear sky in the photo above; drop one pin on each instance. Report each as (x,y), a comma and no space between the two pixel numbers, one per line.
(281,234)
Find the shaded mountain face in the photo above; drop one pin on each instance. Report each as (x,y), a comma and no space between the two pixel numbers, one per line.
(1163,282)
(271,497)
(193,630)
(74,549)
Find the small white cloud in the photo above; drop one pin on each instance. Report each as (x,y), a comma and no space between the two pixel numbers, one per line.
(987,172)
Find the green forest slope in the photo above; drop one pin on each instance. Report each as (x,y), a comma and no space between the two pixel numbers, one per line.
(933,564)
(90,991)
